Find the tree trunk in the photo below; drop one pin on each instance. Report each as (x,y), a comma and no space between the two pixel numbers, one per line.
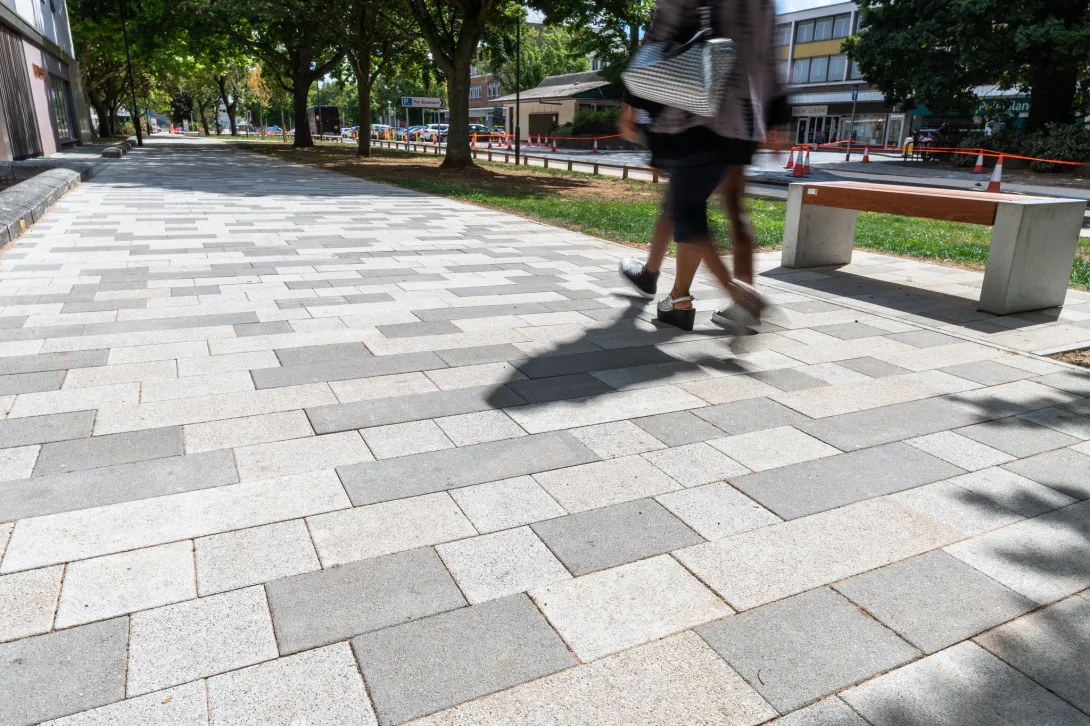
(458,153)
(221,83)
(363,96)
(100,110)
(301,86)
(1052,96)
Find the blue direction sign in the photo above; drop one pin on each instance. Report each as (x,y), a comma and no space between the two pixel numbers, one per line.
(421,102)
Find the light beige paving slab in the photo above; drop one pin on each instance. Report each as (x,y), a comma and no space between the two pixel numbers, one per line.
(540,417)
(28,601)
(199,366)
(104,587)
(1016,493)
(245,431)
(251,556)
(161,351)
(619,438)
(170,389)
(695,464)
(484,374)
(179,706)
(413,437)
(964,512)
(940,356)
(599,484)
(121,373)
(717,510)
(847,349)
(75,399)
(18,462)
(863,395)
(727,389)
(495,565)
(767,564)
(381,529)
(118,527)
(960,451)
(678,681)
(609,611)
(773,448)
(506,503)
(178,643)
(366,389)
(296,456)
(478,428)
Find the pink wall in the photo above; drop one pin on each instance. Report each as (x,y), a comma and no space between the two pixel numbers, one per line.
(39,91)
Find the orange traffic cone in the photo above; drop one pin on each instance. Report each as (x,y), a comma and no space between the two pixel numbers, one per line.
(490,142)
(790,159)
(979,168)
(866,153)
(997,176)
(798,167)
(473,141)
(539,141)
(554,144)
(595,149)
(509,147)
(806,165)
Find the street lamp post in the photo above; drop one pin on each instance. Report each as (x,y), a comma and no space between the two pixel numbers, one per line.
(851,129)
(318,110)
(132,85)
(518,86)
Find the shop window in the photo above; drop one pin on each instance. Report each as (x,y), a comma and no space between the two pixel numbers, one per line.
(62,115)
(783,34)
(856,72)
(804,32)
(818,68)
(475,92)
(494,89)
(823,29)
(837,65)
(841,26)
(801,71)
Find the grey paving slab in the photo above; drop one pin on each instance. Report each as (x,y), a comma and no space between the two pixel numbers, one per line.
(560,388)
(829,712)
(98,487)
(678,428)
(960,686)
(78,454)
(987,372)
(850,331)
(60,673)
(924,339)
(31,382)
(412,330)
(1064,470)
(565,365)
(934,600)
(177,323)
(1077,382)
(318,354)
(345,369)
(1017,437)
(456,357)
(753,414)
(318,608)
(433,471)
(611,536)
(45,429)
(816,486)
(872,367)
(428,665)
(275,327)
(788,379)
(804,647)
(479,311)
(1049,646)
(876,426)
(413,407)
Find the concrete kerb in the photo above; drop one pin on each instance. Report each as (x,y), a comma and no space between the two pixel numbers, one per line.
(43,182)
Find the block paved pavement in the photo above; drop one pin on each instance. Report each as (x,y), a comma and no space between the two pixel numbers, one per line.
(284,447)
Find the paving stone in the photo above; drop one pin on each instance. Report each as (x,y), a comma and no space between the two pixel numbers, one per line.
(679,428)
(877,426)
(773,448)
(1059,419)
(1013,398)
(960,686)
(252,556)
(934,600)
(506,503)
(496,565)
(84,667)
(411,330)
(987,372)
(695,464)
(960,451)
(1016,493)
(1076,382)
(620,438)
(1065,470)
(757,567)
(440,470)
(540,417)
(415,407)
(1049,646)
(728,389)
(804,647)
(424,666)
(717,510)
(105,530)
(1017,437)
(79,454)
(479,311)
(52,361)
(850,331)
(18,463)
(478,428)
(588,486)
(403,439)
(77,490)
(611,536)
(181,706)
(105,587)
(672,682)
(320,354)
(295,456)
(276,327)
(961,510)
(873,367)
(120,373)
(924,339)
(381,529)
(829,712)
(492,374)
(178,643)
(28,601)
(344,369)
(608,611)
(319,608)
(247,430)
(559,388)
(1045,558)
(788,379)
(755,414)
(320,686)
(31,382)
(476,355)
(44,429)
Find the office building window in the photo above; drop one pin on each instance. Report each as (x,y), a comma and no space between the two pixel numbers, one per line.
(475,92)
(804,32)
(783,34)
(494,89)
(837,64)
(842,26)
(62,114)
(800,73)
(856,72)
(818,69)
(473,71)
(596,64)
(823,29)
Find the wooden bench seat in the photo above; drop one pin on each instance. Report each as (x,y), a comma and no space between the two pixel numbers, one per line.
(1033,245)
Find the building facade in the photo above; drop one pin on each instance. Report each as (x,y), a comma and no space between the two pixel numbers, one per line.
(41,104)
(484,89)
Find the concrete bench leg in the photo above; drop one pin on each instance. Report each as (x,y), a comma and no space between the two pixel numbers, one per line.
(1031,255)
(815,236)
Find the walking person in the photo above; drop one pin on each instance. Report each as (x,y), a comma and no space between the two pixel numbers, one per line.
(703,153)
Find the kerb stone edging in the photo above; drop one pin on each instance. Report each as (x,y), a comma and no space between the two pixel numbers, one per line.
(23,204)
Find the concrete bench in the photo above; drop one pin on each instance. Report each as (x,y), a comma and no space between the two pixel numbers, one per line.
(1029,260)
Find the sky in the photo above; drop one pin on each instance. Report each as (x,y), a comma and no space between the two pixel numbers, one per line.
(790,6)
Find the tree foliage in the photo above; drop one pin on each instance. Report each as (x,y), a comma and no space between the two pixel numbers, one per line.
(546,51)
(608,30)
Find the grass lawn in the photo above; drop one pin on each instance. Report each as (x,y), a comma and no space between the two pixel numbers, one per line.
(625,211)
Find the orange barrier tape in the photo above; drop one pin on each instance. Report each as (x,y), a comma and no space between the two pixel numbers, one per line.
(924,148)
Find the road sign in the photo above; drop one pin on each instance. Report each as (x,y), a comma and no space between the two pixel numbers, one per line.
(855,93)
(421,102)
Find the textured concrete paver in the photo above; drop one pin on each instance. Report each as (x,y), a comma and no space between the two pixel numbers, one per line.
(258,409)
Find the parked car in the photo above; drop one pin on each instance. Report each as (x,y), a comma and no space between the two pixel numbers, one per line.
(432,132)
(407,133)
(378,130)
(482,132)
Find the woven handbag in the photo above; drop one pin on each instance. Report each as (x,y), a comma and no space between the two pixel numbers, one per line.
(691,76)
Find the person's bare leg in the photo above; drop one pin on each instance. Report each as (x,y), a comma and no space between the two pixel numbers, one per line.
(660,241)
(732,193)
(689,256)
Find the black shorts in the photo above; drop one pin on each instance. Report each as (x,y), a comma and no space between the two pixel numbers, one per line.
(694,177)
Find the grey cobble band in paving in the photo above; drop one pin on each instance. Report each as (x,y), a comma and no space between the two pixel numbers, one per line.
(415,407)
(343,369)
(45,429)
(78,454)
